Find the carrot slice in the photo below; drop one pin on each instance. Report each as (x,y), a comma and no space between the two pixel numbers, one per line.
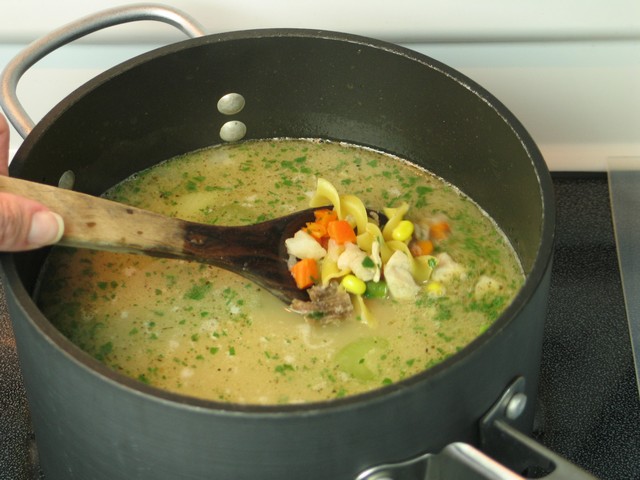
(421,247)
(439,230)
(305,272)
(341,231)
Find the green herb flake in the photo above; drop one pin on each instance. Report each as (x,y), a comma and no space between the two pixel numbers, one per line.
(444,313)
(284,368)
(490,307)
(318,315)
(341,393)
(368,262)
(199,291)
(289,165)
(104,350)
(444,336)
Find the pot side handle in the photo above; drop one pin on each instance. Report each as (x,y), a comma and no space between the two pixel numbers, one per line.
(73,31)
(505,451)
(464,461)
(510,447)
(457,460)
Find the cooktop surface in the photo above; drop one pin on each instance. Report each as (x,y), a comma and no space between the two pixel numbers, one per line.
(588,408)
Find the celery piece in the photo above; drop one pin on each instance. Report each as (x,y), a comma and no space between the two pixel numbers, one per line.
(359,358)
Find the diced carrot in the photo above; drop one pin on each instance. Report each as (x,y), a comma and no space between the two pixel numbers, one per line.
(439,230)
(324,242)
(316,230)
(421,247)
(341,231)
(324,216)
(305,272)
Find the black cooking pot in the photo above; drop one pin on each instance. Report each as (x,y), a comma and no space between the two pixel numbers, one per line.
(91,422)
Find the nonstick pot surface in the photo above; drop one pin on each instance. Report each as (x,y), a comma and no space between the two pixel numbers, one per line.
(296,84)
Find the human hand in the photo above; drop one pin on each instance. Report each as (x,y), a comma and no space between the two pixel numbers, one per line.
(24,224)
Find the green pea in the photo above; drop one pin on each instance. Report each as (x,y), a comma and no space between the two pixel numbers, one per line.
(376,289)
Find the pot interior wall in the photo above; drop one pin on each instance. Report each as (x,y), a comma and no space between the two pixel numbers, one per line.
(164,104)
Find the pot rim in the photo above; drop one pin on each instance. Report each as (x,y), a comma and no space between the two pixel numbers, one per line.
(533,278)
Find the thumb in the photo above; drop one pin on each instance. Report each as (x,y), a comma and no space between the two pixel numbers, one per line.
(26,224)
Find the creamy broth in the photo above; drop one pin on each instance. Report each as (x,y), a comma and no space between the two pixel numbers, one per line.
(201,331)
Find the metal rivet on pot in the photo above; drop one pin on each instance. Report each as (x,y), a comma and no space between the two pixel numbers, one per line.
(231,103)
(516,406)
(67,180)
(233,131)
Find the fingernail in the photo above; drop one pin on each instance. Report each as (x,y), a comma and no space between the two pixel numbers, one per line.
(46,228)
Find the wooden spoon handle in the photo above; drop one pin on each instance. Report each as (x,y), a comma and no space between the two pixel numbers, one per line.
(256,252)
(93,222)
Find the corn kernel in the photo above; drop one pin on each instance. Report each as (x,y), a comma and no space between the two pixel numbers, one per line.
(403,231)
(435,289)
(353,284)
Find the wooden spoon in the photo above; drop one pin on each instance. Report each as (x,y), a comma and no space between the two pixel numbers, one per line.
(257,252)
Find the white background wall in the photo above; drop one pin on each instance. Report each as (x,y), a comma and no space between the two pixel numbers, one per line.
(569,70)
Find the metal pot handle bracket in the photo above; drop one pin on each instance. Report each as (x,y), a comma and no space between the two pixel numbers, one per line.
(516,451)
(72,31)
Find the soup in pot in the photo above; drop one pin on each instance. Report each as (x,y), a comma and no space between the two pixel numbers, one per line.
(201,331)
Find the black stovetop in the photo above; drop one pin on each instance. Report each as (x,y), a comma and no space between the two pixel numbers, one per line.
(588,407)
